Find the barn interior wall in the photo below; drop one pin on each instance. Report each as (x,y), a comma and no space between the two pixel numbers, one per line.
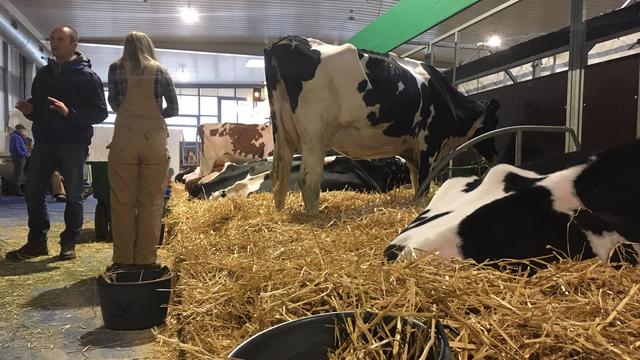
(536,102)
(611,103)
(610,115)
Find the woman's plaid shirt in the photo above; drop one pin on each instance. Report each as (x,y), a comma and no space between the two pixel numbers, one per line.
(163,87)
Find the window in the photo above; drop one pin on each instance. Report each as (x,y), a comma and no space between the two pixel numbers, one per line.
(188,104)
(230,92)
(208,119)
(106,97)
(229,110)
(208,105)
(246,94)
(187,91)
(245,112)
(250,114)
(182,121)
(208,92)
(189,133)
(111,119)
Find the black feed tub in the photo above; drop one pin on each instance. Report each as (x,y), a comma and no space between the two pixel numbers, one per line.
(134,299)
(312,337)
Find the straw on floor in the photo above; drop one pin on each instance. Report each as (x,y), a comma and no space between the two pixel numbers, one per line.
(243,267)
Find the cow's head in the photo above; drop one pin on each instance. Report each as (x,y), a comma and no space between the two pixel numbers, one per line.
(487,148)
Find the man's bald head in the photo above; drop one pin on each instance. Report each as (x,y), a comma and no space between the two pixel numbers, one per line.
(63,41)
(73,34)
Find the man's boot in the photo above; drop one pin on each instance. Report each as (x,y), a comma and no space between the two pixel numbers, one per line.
(67,252)
(29,250)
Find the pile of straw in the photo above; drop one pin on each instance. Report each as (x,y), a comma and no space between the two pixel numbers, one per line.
(243,267)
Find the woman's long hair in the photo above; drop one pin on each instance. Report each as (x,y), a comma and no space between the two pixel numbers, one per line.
(138,52)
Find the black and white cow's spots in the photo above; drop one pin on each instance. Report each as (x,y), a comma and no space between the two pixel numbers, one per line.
(300,60)
(340,173)
(393,103)
(577,205)
(180,177)
(364,105)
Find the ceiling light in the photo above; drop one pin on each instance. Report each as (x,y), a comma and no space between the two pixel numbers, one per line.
(494,41)
(189,15)
(255,63)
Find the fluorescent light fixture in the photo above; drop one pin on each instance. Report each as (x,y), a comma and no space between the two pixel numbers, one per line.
(189,15)
(494,41)
(255,63)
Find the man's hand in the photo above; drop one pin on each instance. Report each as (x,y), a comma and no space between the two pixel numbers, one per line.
(59,106)
(25,107)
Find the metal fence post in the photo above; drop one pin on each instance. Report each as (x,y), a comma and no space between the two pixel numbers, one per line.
(518,156)
(575,77)
(455,57)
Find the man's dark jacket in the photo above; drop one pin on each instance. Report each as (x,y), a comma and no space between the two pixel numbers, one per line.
(80,89)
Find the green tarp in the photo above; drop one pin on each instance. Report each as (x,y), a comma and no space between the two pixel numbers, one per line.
(406,20)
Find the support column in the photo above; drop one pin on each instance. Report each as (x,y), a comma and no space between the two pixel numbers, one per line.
(456,55)
(575,76)
(5,81)
(432,54)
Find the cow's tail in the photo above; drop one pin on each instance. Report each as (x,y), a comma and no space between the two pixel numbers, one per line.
(281,119)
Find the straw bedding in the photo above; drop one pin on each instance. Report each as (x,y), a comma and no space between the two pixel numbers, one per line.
(243,267)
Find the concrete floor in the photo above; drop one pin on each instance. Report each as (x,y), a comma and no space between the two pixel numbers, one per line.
(49,309)
(13,210)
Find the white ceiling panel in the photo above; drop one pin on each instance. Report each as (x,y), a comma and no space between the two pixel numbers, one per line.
(185,67)
(245,26)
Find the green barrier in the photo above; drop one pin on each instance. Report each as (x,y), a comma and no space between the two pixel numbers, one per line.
(406,20)
(100,180)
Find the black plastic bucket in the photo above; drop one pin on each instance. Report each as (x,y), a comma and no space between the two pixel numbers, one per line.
(313,337)
(135,299)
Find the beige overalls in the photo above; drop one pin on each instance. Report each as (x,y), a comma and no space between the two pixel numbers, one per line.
(138,165)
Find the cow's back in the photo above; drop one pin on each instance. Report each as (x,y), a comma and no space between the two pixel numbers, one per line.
(236,143)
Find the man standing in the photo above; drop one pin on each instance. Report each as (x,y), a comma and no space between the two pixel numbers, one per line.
(19,153)
(67,98)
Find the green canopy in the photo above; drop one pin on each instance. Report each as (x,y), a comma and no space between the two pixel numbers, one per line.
(406,20)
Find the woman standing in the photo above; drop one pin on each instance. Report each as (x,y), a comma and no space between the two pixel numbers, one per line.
(139,158)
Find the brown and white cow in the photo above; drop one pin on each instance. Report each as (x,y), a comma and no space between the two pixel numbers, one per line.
(236,143)
(365,105)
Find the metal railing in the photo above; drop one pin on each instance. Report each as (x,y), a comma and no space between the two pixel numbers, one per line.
(442,164)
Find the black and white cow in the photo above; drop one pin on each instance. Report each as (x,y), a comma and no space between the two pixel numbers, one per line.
(186,174)
(364,105)
(577,205)
(340,173)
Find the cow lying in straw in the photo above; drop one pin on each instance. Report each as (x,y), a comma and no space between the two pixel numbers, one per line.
(340,173)
(576,205)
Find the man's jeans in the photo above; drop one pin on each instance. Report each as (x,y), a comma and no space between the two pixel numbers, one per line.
(68,158)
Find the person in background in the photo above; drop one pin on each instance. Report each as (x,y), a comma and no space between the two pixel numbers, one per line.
(191,158)
(67,98)
(57,187)
(139,158)
(19,154)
